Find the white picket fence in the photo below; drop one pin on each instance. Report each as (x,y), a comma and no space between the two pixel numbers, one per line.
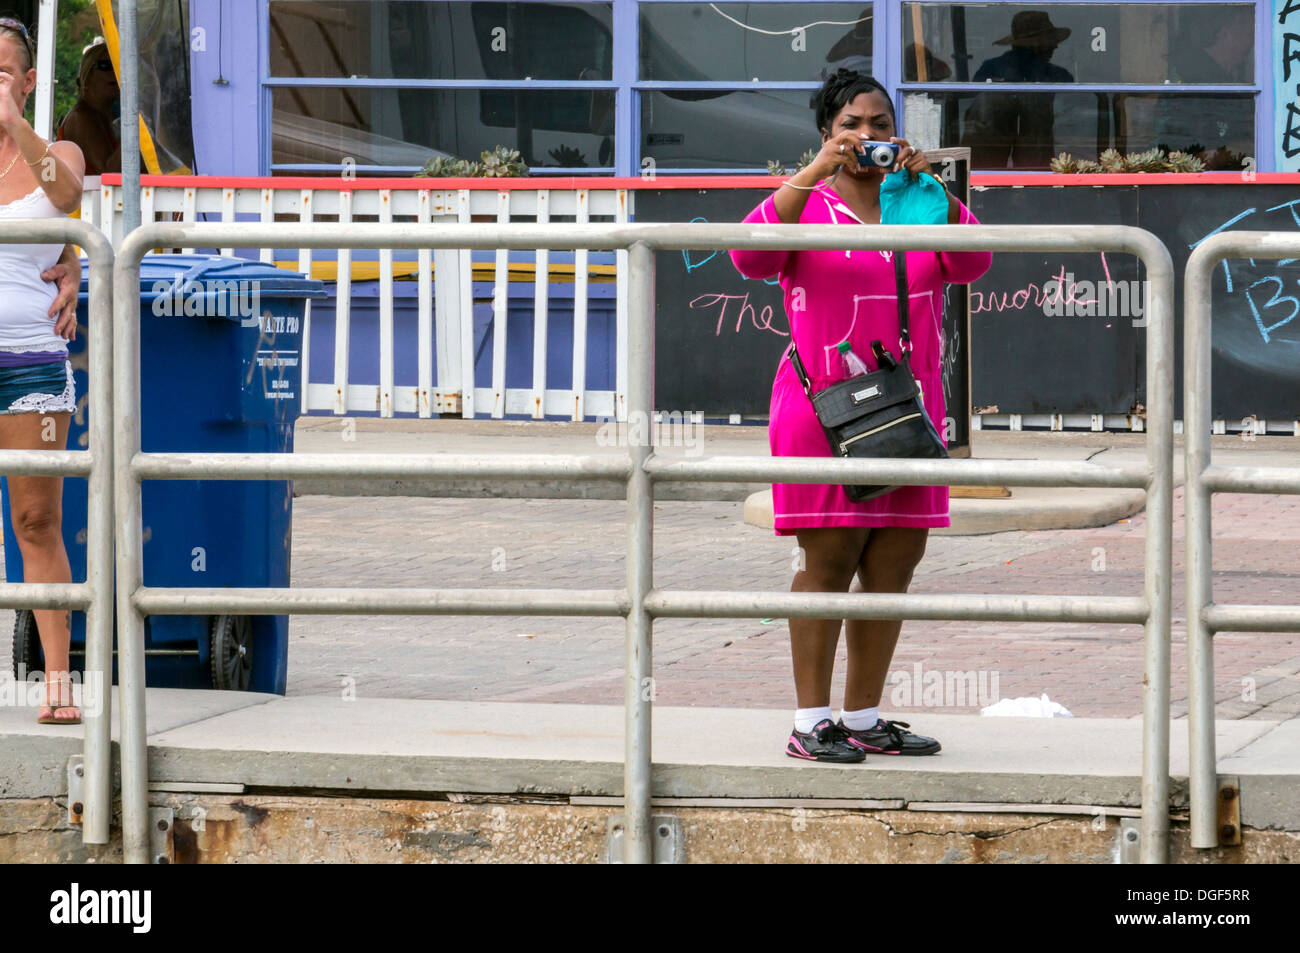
(446,346)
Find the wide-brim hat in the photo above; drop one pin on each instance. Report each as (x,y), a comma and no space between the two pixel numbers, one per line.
(1033,28)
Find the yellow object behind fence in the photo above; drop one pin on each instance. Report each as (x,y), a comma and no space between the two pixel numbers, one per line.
(562,273)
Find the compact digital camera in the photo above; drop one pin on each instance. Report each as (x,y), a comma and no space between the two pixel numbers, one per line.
(881,154)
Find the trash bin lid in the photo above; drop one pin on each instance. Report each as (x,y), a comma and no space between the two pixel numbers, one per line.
(162,275)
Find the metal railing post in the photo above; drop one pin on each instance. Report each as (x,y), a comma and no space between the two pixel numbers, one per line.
(1153,847)
(1199,559)
(98,755)
(638,680)
(95,595)
(1198,288)
(128,64)
(126,486)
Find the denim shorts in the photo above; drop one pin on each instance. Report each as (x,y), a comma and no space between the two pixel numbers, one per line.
(39,389)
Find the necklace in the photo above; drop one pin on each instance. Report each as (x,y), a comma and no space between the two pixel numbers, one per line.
(11,164)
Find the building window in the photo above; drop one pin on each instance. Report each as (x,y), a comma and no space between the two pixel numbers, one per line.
(389,85)
(626,85)
(729,85)
(1019,84)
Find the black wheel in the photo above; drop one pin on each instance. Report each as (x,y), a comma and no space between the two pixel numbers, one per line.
(231,642)
(28,656)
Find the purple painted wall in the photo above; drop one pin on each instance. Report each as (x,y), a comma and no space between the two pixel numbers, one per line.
(226,86)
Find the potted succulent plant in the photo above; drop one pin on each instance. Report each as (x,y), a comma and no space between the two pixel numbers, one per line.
(1111,162)
(495,163)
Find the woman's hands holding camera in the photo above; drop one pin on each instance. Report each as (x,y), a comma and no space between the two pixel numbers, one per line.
(842,152)
(910,158)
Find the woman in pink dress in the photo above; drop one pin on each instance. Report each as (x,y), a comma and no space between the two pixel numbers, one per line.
(834,296)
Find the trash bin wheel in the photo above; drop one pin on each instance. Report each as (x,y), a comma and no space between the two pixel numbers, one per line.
(28,656)
(231,638)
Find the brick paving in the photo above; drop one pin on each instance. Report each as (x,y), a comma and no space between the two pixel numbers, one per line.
(1095,670)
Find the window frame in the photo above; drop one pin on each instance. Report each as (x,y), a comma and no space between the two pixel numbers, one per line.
(628,88)
(268,84)
(1260,89)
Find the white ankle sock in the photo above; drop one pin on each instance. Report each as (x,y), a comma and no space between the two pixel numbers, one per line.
(805,719)
(860,720)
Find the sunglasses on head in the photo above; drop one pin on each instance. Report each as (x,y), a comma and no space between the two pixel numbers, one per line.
(17,26)
(105,65)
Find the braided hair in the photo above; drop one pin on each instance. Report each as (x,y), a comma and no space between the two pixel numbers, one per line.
(840,89)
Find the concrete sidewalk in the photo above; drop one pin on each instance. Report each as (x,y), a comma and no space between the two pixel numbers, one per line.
(1027,508)
(243,742)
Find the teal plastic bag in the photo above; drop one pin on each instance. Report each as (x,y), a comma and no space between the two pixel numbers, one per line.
(907,202)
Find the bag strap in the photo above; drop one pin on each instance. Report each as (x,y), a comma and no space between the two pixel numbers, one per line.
(798,368)
(904,337)
(904,302)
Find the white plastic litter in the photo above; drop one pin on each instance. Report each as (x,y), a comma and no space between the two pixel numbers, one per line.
(1027,707)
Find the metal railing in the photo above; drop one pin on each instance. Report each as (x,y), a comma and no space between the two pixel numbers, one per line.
(1205,617)
(445,381)
(95,463)
(640,602)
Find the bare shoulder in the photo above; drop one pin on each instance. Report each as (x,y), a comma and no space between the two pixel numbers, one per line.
(70,153)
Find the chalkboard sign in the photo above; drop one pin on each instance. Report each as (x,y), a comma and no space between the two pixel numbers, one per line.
(1086,358)
(1037,347)
(719,336)
(1255,337)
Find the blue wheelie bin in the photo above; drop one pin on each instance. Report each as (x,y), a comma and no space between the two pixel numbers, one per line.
(220,371)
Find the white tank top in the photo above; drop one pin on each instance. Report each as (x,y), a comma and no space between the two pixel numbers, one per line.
(25,300)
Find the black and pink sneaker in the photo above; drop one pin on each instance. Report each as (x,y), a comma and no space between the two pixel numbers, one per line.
(888,737)
(826,742)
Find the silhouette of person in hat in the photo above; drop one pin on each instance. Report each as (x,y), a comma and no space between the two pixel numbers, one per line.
(1016,129)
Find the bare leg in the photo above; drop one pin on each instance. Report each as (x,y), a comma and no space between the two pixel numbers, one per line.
(830,557)
(36,513)
(891,556)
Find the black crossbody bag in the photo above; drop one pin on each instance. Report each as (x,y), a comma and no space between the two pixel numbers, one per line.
(879,414)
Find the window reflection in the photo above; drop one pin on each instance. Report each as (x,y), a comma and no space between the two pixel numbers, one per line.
(1103,44)
(853,49)
(417,39)
(323,126)
(1214,49)
(1016,130)
(721,42)
(1024,130)
(720,129)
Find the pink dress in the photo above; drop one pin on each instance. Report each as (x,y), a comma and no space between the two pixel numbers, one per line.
(832,296)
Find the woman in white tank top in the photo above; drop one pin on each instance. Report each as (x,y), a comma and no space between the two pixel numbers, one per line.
(37,180)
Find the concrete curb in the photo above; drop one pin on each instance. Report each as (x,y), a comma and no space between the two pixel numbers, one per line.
(366,746)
